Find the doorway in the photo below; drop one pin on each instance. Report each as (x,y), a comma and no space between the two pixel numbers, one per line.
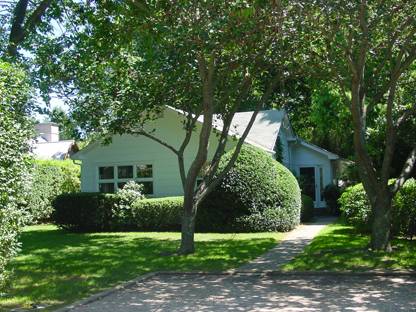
(311,180)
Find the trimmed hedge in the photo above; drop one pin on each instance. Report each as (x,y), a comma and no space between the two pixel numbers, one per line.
(154,214)
(307,210)
(356,208)
(257,194)
(95,212)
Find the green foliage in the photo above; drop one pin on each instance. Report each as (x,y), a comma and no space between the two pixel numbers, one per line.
(154,214)
(404,220)
(257,194)
(67,127)
(97,212)
(307,210)
(355,206)
(84,212)
(331,196)
(49,179)
(15,132)
(357,211)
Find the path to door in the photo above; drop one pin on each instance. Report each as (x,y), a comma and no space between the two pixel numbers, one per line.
(288,248)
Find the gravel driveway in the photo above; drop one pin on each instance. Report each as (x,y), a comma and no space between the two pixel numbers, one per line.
(185,292)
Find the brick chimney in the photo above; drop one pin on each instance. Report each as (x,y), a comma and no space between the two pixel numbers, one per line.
(48,130)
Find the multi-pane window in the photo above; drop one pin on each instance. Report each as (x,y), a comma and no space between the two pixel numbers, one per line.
(112,178)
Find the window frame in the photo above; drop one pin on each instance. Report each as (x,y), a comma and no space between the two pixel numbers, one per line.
(116,180)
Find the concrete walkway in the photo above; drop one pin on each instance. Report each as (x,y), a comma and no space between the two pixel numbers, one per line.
(291,245)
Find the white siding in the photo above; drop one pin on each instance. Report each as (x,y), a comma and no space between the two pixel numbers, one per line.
(302,156)
(128,149)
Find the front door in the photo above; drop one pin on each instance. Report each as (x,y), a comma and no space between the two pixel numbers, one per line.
(307,181)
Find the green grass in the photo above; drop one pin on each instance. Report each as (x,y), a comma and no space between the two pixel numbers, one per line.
(56,268)
(339,248)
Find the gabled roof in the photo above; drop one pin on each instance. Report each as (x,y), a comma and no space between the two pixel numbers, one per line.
(264,131)
(318,149)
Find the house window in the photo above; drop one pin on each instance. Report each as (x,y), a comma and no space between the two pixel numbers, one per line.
(106,187)
(125,172)
(112,178)
(106,173)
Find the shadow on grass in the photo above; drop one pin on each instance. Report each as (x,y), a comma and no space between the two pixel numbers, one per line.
(341,248)
(56,267)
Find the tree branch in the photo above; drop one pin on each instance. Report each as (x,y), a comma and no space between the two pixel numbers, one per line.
(156,139)
(19,31)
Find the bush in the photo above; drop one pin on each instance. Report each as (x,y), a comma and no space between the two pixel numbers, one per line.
(155,214)
(96,212)
(307,210)
(84,212)
(404,218)
(357,210)
(331,196)
(258,194)
(49,179)
(355,206)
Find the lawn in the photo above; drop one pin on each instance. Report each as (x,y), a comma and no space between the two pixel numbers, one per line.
(56,268)
(339,248)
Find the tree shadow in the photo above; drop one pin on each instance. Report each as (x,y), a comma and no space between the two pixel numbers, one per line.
(256,293)
(56,267)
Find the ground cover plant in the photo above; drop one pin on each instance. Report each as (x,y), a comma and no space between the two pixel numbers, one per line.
(340,248)
(56,267)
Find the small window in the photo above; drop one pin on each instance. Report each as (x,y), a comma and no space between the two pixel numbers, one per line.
(106,187)
(147,187)
(125,172)
(144,171)
(106,173)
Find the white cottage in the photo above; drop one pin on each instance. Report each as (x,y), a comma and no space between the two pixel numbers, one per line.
(105,168)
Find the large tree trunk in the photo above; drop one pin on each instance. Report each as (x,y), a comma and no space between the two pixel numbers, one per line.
(382,219)
(188,225)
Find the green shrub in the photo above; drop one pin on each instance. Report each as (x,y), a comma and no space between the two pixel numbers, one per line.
(258,194)
(404,219)
(331,196)
(356,208)
(95,212)
(84,212)
(154,214)
(307,210)
(49,179)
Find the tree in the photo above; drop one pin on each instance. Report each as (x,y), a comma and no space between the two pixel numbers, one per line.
(128,60)
(67,127)
(368,48)
(15,131)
